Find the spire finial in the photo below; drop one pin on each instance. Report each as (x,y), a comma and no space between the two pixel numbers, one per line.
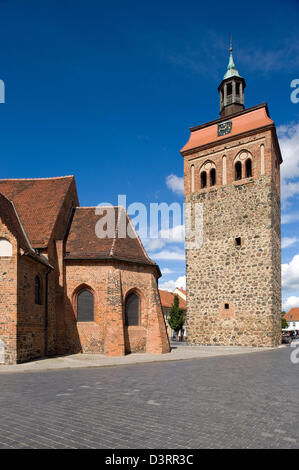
(231,68)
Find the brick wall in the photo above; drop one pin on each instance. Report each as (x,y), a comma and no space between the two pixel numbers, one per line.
(31,326)
(8,298)
(110,284)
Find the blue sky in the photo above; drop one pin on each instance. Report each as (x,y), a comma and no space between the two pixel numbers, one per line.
(107,91)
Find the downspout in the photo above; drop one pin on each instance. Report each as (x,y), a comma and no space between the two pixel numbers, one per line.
(46,311)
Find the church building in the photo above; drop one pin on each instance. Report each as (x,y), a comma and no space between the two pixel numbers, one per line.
(64,290)
(232,170)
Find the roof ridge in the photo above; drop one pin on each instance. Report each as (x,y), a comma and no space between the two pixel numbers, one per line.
(116,233)
(38,179)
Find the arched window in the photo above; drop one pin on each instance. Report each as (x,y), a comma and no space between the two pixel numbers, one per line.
(238,171)
(203,179)
(212,177)
(38,290)
(229,89)
(5,247)
(132,310)
(248,167)
(85,306)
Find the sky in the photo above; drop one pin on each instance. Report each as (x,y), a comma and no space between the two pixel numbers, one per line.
(107,91)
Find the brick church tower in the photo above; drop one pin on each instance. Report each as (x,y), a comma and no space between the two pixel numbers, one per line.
(232,172)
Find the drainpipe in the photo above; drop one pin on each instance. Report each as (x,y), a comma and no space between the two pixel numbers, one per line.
(46,312)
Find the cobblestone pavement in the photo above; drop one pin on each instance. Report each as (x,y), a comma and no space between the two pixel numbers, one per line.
(239,401)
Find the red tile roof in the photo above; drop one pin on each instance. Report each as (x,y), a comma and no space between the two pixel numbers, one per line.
(83,243)
(10,218)
(292,315)
(249,119)
(167,299)
(38,202)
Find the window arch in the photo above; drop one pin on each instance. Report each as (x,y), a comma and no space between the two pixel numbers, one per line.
(5,247)
(248,168)
(85,305)
(238,171)
(132,310)
(203,179)
(212,177)
(38,290)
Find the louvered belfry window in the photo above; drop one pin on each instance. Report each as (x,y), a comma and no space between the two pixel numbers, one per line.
(85,306)
(132,310)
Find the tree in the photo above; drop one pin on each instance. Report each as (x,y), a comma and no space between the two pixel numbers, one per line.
(284,323)
(176,317)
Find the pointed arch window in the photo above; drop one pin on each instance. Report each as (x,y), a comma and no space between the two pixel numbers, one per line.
(85,306)
(248,168)
(38,290)
(132,310)
(212,177)
(203,179)
(238,171)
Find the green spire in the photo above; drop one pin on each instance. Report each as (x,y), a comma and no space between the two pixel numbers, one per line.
(231,68)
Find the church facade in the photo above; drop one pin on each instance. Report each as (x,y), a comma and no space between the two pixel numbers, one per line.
(232,169)
(65,290)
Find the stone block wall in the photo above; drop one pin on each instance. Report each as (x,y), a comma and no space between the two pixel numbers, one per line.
(233,292)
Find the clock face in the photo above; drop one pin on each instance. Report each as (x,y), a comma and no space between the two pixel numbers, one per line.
(224,128)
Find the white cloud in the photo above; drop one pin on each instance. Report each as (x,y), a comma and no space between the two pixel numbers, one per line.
(175,234)
(175,183)
(290,302)
(289,218)
(288,241)
(171,285)
(171,255)
(167,271)
(290,274)
(289,143)
(151,244)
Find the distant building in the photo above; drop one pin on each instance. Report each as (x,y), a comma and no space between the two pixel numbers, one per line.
(167,299)
(292,317)
(180,292)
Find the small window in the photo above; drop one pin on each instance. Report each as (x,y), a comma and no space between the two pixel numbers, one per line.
(237,88)
(37,289)
(85,306)
(203,179)
(132,310)
(229,89)
(238,171)
(238,241)
(226,306)
(213,177)
(248,167)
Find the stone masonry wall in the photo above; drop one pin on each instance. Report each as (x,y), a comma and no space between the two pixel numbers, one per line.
(233,293)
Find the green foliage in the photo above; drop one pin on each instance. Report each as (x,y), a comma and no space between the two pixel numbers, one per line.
(284,323)
(176,317)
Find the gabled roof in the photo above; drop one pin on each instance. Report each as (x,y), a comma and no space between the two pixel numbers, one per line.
(167,299)
(182,290)
(38,202)
(84,243)
(292,315)
(243,122)
(10,218)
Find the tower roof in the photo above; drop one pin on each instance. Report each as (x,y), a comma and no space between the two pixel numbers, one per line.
(231,68)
